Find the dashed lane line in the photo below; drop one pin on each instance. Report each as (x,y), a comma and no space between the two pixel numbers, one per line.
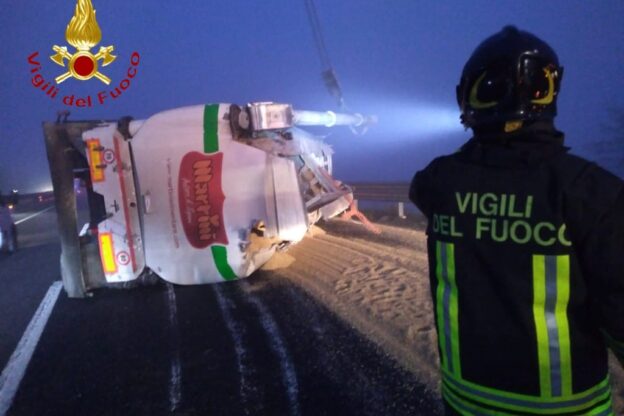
(277,344)
(175,382)
(226,305)
(16,367)
(36,214)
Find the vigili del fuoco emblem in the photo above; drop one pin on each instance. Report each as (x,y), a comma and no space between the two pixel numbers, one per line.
(83,33)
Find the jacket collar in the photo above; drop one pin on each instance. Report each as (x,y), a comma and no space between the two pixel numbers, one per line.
(527,146)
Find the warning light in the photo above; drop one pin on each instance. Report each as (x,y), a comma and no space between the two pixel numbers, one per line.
(94,150)
(107,253)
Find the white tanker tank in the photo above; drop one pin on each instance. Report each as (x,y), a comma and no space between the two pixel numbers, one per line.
(196,195)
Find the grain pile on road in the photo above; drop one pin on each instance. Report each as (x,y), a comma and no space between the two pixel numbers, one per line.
(380,285)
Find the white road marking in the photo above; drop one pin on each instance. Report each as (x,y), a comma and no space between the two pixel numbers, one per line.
(16,367)
(175,389)
(241,353)
(289,375)
(33,215)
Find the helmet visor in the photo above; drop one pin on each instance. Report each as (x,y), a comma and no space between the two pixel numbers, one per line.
(491,87)
(539,80)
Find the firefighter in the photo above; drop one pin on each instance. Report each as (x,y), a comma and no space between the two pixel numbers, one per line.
(526,246)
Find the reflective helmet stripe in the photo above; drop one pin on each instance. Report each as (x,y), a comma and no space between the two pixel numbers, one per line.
(511,76)
(473,99)
(550,96)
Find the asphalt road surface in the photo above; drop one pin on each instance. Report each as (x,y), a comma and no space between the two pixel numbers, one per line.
(260,346)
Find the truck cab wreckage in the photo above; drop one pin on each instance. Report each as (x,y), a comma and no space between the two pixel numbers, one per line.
(196,195)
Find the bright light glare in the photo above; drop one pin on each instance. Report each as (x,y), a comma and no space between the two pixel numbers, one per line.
(401,121)
(47,187)
(417,122)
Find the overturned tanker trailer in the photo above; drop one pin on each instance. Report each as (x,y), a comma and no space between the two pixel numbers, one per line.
(196,195)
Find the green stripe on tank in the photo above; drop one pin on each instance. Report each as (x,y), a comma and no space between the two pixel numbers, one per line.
(211,145)
(211,126)
(219,254)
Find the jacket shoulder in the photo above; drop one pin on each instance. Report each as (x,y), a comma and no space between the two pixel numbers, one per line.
(590,194)
(587,180)
(423,183)
(441,162)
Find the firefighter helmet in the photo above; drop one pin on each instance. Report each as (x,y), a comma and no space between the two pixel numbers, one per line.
(511,78)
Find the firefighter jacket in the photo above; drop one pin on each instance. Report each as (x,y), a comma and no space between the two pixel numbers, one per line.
(526,255)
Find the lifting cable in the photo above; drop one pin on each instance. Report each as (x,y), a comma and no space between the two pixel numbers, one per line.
(328,74)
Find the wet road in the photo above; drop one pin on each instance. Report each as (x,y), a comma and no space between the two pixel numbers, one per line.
(261,346)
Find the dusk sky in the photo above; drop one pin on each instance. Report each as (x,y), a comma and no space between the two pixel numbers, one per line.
(399,59)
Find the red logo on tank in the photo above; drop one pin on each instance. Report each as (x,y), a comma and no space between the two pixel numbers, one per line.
(201,199)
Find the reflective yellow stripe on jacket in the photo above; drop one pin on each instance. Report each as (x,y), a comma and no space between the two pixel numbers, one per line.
(551,294)
(447,308)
